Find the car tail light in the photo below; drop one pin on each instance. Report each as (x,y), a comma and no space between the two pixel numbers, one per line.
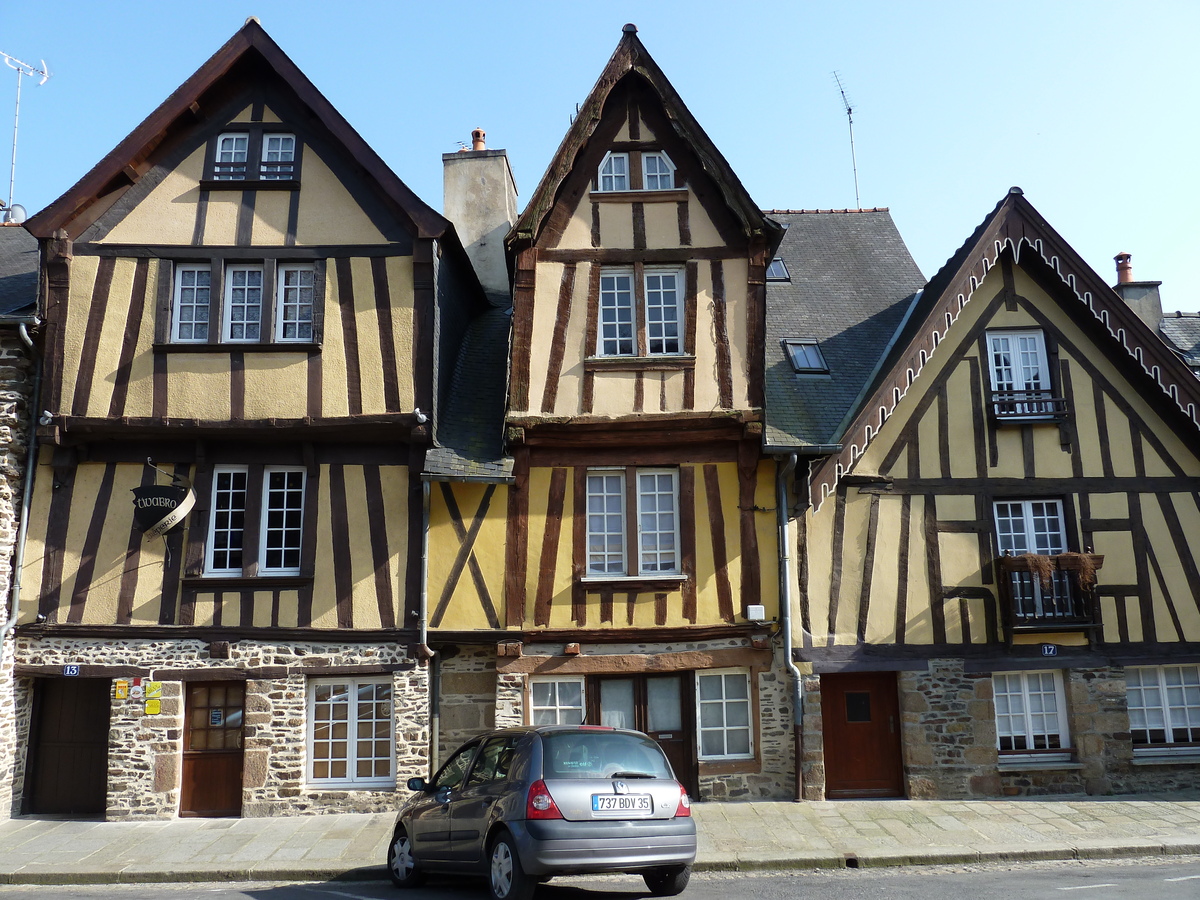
(539,804)
(685,803)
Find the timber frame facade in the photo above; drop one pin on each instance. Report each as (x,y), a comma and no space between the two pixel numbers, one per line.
(244,302)
(635,548)
(998,559)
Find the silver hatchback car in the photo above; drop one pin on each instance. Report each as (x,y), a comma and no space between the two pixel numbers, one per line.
(522,805)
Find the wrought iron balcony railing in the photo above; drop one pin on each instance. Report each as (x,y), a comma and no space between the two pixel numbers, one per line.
(1049,591)
(1028,405)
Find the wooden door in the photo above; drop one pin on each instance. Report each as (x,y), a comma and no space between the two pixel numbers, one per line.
(659,705)
(68,762)
(861,717)
(212,749)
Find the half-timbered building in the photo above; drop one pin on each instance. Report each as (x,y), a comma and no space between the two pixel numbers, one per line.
(629,573)
(999,589)
(246,312)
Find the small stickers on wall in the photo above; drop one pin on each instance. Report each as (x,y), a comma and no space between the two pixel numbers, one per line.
(149,692)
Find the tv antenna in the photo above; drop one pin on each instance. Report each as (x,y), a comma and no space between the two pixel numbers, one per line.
(850,120)
(17,213)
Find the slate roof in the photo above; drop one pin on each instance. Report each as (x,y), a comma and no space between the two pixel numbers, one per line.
(18,271)
(852,281)
(1182,331)
(469,443)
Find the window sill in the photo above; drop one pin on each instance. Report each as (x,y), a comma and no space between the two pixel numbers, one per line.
(318,787)
(1166,758)
(672,196)
(231,346)
(633,583)
(1038,765)
(1050,419)
(664,363)
(247,184)
(257,582)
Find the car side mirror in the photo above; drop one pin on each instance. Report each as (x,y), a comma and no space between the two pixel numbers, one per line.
(417,784)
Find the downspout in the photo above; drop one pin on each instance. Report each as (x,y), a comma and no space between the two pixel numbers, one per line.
(427,653)
(26,489)
(782,472)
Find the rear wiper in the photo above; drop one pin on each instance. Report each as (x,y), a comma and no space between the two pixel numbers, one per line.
(631,775)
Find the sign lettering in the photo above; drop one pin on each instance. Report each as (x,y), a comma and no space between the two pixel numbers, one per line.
(71,670)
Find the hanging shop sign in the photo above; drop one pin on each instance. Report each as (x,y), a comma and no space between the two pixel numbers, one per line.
(159,509)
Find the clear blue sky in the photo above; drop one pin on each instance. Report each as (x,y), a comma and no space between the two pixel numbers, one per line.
(1092,107)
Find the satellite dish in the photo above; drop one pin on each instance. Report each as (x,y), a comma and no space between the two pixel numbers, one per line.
(15,214)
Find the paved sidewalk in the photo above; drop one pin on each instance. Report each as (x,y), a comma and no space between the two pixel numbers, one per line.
(733,836)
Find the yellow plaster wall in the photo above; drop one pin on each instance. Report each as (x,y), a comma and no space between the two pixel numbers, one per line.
(704,232)
(220,218)
(276,385)
(328,213)
(324,602)
(269,227)
(168,213)
(465,610)
(370,358)
(198,383)
(400,291)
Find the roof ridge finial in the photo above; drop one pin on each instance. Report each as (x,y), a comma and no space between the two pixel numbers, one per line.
(629,28)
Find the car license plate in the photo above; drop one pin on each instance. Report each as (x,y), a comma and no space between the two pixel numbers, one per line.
(622,804)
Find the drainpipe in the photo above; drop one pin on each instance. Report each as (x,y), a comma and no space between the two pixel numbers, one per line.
(782,471)
(427,652)
(26,489)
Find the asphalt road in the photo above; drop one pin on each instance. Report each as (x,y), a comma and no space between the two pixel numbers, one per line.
(1177,878)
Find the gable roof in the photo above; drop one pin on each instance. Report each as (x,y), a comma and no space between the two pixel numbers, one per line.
(18,271)
(631,57)
(851,282)
(128,161)
(1182,331)
(1014,226)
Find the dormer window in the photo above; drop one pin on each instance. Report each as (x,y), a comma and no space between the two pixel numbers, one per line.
(658,172)
(777,270)
(1020,375)
(254,155)
(805,356)
(614,172)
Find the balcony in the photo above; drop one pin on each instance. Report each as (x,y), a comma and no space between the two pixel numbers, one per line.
(1024,405)
(1049,593)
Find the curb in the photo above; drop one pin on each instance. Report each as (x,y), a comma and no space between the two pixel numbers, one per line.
(783,863)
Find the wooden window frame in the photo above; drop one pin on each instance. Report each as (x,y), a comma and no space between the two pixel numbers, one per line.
(252,174)
(1063,752)
(632,503)
(271,326)
(646,175)
(724,728)
(352,781)
(558,708)
(227,303)
(281,304)
(639,273)
(1168,711)
(255,523)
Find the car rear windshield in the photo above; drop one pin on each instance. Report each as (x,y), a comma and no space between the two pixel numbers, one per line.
(602,754)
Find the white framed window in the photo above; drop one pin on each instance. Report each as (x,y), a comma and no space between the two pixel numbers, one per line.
(723,712)
(556,701)
(658,172)
(278,157)
(229,164)
(1030,526)
(294,306)
(282,520)
(1164,708)
(661,312)
(243,303)
(616,314)
(351,732)
(805,356)
(227,520)
(653,530)
(189,323)
(1020,374)
(663,290)
(1031,714)
(614,172)
(778,271)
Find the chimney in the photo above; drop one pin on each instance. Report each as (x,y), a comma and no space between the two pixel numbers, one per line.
(1141,296)
(479,195)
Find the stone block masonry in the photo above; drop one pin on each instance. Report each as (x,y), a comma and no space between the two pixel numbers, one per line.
(145,752)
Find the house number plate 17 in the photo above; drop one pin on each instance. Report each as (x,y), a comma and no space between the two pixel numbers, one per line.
(1049,650)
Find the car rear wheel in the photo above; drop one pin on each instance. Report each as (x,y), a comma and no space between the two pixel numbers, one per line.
(402,865)
(667,882)
(506,879)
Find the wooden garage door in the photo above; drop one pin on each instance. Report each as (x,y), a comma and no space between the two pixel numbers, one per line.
(68,765)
